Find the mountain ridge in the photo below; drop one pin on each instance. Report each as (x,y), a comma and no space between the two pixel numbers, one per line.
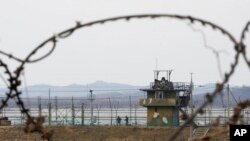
(110,89)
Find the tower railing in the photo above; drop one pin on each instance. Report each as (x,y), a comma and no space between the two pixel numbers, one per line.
(176,85)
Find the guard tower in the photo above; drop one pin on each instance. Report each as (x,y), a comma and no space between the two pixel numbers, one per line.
(165,99)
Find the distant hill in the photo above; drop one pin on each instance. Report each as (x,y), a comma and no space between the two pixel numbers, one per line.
(99,88)
(102,92)
(103,89)
(236,94)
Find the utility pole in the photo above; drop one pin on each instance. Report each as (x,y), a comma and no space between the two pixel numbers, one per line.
(191,107)
(49,109)
(73,111)
(56,107)
(130,109)
(91,106)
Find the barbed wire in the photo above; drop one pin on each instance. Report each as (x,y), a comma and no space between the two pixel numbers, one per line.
(213,50)
(14,78)
(243,37)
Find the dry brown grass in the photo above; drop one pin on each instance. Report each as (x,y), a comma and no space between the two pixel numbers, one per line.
(101,133)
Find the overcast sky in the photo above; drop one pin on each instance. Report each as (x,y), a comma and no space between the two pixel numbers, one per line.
(123,52)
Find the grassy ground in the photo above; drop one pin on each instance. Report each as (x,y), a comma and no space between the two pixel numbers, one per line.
(101,133)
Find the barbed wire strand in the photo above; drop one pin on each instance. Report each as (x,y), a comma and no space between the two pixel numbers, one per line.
(11,56)
(5,100)
(243,37)
(207,46)
(66,33)
(15,82)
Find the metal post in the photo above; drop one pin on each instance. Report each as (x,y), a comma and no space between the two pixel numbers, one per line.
(205,113)
(135,115)
(205,116)
(247,116)
(4,111)
(39,106)
(116,113)
(191,106)
(225,115)
(66,117)
(49,113)
(111,111)
(82,114)
(56,107)
(130,109)
(73,111)
(98,116)
(91,106)
(98,122)
(21,119)
(210,114)
(116,106)
(49,109)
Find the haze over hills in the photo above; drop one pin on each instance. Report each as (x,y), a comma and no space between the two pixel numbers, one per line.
(99,88)
(236,94)
(103,89)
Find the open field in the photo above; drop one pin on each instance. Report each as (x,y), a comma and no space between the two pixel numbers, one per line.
(101,133)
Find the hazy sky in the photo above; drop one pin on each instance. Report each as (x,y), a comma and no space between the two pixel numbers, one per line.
(123,52)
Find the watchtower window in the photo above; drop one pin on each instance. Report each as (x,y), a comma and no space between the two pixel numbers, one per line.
(159,95)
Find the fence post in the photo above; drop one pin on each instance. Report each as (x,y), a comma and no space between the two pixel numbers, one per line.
(39,105)
(205,111)
(49,109)
(56,108)
(135,115)
(98,116)
(116,106)
(49,113)
(66,117)
(247,112)
(98,107)
(82,114)
(225,119)
(210,114)
(130,110)
(21,119)
(73,111)
(111,122)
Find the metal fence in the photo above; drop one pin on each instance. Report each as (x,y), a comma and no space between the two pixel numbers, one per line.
(104,111)
(80,110)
